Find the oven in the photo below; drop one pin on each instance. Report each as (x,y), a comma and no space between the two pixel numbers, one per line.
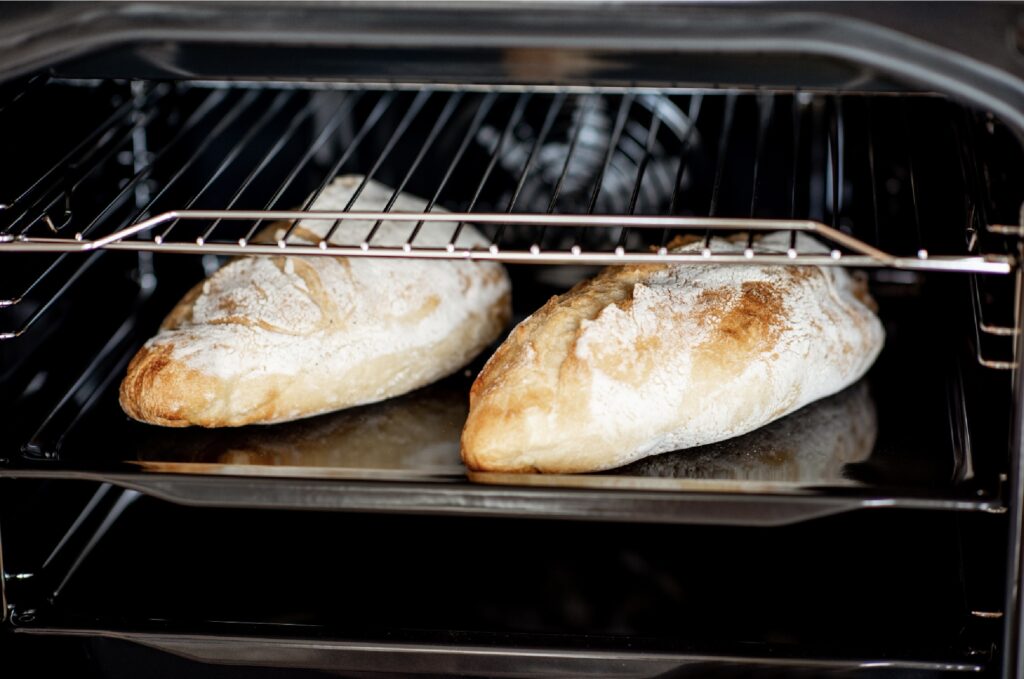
(147,144)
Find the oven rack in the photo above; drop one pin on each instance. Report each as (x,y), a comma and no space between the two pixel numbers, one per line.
(48,224)
(550,176)
(863,254)
(53,599)
(495,655)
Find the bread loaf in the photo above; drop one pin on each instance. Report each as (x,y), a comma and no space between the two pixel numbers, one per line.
(812,446)
(647,359)
(272,339)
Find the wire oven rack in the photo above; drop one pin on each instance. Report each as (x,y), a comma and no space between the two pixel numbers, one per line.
(550,175)
(529,132)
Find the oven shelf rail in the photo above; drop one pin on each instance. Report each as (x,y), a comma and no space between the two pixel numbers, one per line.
(595,142)
(863,254)
(550,176)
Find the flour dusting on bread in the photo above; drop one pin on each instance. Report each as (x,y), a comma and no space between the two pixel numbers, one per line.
(644,359)
(269,339)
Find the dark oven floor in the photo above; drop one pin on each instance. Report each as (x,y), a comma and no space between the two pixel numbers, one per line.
(509,597)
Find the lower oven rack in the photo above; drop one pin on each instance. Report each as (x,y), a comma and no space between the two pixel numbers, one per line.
(667,612)
(515,657)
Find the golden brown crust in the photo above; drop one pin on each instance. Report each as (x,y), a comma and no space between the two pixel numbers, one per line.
(647,356)
(160,390)
(282,338)
(154,385)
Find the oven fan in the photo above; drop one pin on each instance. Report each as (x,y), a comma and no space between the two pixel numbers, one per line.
(596,120)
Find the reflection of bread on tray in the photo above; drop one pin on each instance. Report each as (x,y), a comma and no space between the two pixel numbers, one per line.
(646,359)
(416,431)
(272,339)
(810,446)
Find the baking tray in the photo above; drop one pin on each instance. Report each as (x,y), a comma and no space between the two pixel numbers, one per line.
(908,436)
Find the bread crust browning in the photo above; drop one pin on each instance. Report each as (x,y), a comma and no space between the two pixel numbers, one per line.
(647,359)
(267,340)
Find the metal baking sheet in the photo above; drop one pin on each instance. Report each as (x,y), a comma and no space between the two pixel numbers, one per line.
(502,661)
(416,437)
(897,439)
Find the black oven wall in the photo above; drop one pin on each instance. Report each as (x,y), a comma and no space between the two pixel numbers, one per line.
(970,50)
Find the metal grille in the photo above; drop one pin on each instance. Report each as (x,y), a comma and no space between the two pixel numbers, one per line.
(556,176)
(591,177)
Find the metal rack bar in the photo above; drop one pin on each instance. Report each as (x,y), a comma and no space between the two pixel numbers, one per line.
(835,156)
(513,120)
(439,124)
(403,125)
(333,123)
(685,145)
(652,138)
(613,143)
(872,173)
(382,106)
(922,251)
(549,120)
(282,141)
(765,109)
(867,255)
(474,126)
(723,149)
(608,147)
(222,125)
(118,116)
(574,138)
(275,106)
(798,114)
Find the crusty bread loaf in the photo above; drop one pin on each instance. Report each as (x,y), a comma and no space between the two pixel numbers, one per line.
(812,446)
(272,339)
(646,359)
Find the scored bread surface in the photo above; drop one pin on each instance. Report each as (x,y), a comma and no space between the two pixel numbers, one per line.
(272,339)
(645,359)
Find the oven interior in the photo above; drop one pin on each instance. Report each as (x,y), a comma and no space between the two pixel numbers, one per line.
(115,532)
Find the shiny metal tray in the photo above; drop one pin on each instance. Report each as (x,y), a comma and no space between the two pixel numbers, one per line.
(402,455)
